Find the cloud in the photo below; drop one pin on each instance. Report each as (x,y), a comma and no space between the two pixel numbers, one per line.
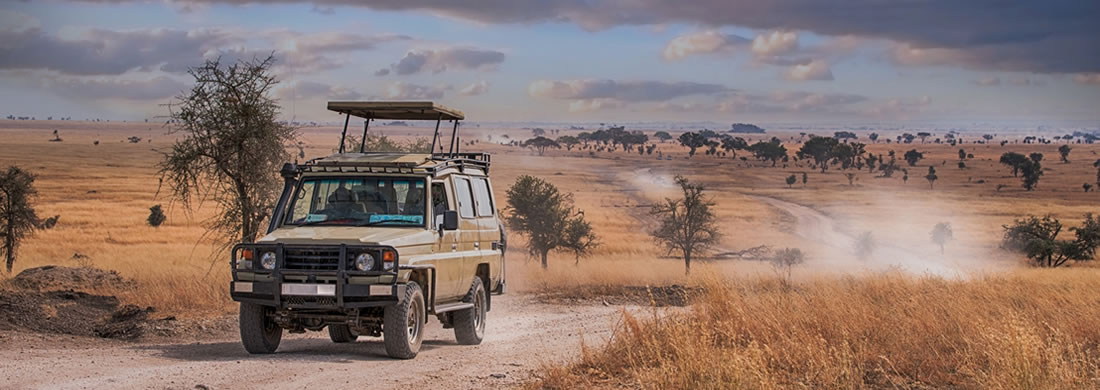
(382,72)
(593,105)
(703,42)
(440,60)
(625,91)
(1056,36)
(990,81)
(157,88)
(814,70)
(303,90)
(1027,82)
(1087,78)
(478,88)
(775,43)
(107,52)
(400,90)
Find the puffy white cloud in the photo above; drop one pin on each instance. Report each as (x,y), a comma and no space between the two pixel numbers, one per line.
(814,70)
(311,89)
(400,90)
(702,42)
(592,105)
(440,60)
(775,43)
(478,88)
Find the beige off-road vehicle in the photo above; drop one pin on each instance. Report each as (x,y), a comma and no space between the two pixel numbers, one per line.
(371,243)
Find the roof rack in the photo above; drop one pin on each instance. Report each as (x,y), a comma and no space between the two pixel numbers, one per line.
(349,163)
(399,110)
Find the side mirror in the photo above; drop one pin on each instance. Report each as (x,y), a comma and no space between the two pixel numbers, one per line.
(450,220)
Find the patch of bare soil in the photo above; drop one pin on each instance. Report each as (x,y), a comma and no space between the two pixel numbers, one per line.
(53,277)
(61,300)
(660,296)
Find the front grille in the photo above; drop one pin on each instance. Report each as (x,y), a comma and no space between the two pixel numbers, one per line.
(311,301)
(312,259)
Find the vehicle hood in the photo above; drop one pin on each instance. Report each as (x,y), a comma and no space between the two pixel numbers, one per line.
(314,235)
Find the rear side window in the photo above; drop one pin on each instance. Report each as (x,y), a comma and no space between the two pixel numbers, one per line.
(484,202)
(465,201)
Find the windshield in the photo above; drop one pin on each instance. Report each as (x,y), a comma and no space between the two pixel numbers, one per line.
(358,201)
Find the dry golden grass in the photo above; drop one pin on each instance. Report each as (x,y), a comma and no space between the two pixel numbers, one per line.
(1028,329)
(180,272)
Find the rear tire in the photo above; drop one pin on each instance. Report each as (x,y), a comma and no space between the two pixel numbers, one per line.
(341,334)
(403,324)
(470,323)
(259,332)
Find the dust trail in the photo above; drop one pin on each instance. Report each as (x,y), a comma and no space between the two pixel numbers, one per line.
(814,226)
(832,248)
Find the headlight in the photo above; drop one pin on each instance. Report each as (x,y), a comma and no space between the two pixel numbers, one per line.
(268,260)
(364,262)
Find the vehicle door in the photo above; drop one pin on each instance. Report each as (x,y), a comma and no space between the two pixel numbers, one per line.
(468,232)
(488,229)
(446,257)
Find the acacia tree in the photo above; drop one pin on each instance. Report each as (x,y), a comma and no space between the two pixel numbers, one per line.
(1031,170)
(17,216)
(1097,166)
(688,224)
(540,144)
(232,145)
(1063,152)
(546,216)
(931,176)
(692,141)
(1014,160)
(1038,239)
(913,157)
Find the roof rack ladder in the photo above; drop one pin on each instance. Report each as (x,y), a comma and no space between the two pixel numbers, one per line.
(454,140)
(345,133)
(436,135)
(363,142)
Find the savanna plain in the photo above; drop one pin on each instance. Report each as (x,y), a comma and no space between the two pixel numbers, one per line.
(900,312)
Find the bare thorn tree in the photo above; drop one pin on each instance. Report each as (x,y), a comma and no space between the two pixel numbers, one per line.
(232,148)
(17,216)
(687,224)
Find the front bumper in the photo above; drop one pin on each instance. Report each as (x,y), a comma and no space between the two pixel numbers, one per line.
(333,289)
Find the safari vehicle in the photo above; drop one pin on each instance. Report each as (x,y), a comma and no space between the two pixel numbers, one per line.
(372,243)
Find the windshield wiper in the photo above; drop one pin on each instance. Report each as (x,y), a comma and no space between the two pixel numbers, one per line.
(368,223)
(329,221)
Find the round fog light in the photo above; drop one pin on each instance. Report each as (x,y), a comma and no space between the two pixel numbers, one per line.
(364,262)
(268,260)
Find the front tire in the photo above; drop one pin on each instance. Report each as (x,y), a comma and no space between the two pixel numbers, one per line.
(403,324)
(470,323)
(259,332)
(341,334)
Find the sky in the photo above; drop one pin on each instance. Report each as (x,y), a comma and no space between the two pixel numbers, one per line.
(779,61)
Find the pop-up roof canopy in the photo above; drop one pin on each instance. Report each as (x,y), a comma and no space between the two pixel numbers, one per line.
(400,111)
(397,110)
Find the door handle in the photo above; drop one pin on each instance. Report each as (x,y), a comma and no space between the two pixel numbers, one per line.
(477,245)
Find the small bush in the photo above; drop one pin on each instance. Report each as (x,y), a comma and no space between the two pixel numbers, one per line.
(156,216)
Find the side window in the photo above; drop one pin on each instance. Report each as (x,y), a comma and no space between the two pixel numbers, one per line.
(465,201)
(484,201)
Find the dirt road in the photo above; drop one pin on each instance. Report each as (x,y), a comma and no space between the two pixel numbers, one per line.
(522,334)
